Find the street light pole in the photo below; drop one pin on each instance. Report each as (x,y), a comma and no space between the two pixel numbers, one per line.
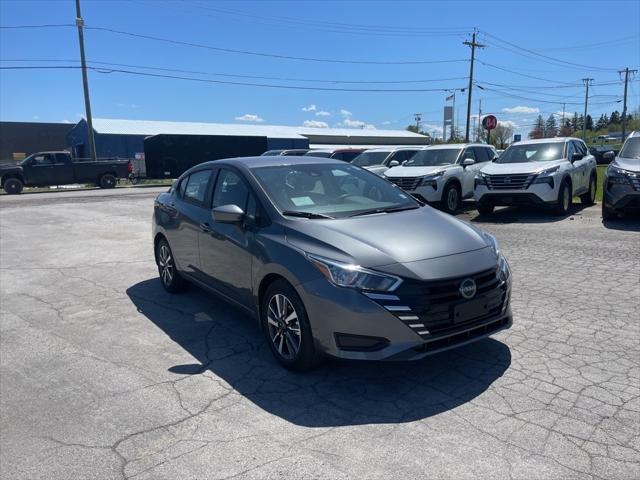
(473,46)
(587,82)
(85,82)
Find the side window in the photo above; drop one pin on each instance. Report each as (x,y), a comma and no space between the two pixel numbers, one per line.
(61,157)
(482,154)
(42,159)
(182,186)
(581,148)
(196,187)
(337,156)
(468,153)
(571,149)
(230,190)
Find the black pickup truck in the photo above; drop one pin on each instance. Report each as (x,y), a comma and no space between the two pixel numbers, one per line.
(44,169)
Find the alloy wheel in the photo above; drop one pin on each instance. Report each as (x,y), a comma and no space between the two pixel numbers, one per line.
(452,199)
(165,262)
(284,326)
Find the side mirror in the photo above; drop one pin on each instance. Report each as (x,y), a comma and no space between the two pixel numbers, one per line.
(576,156)
(394,163)
(467,162)
(609,156)
(227,214)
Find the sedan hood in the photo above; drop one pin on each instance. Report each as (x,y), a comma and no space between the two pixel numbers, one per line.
(515,168)
(402,171)
(631,164)
(387,238)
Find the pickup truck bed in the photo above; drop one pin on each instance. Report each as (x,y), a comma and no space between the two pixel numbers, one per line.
(45,169)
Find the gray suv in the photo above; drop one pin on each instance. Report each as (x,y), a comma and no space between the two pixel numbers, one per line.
(331,259)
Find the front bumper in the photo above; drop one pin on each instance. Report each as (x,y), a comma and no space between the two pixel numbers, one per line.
(621,197)
(416,321)
(536,194)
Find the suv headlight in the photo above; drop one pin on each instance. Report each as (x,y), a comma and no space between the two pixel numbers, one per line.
(618,175)
(354,276)
(431,179)
(479,180)
(546,176)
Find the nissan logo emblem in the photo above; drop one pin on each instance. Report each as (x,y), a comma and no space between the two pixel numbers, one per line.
(468,288)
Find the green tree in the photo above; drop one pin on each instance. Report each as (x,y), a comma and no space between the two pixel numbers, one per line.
(589,123)
(538,129)
(614,119)
(566,130)
(550,127)
(574,121)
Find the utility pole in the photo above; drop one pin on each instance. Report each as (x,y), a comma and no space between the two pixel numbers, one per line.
(85,83)
(624,106)
(586,82)
(473,46)
(418,117)
(479,120)
(562,125)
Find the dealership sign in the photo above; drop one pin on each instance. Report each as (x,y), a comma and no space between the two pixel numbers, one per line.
(489,122)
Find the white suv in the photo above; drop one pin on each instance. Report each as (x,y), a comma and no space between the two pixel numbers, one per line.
(442,173)
(549,171)
(379,160)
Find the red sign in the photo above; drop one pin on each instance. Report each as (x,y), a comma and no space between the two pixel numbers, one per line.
(489,122)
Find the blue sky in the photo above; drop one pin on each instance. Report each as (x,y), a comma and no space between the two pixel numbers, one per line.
(605,35)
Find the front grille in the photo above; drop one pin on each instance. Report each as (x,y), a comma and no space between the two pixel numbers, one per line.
(429,308)
(509,182)
(405,183)
(635,181)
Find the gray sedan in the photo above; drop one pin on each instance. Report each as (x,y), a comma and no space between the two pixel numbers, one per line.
(331,259)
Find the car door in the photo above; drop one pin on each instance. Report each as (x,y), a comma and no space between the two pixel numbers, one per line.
(39,171)
(575,173)
(468,173)
(580,167)
(225,248)
(191,207)
(586,164)
(63,169)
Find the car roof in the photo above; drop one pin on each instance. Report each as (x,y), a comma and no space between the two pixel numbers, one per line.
(272,161)
(396,149)
(546,140)
(445,146)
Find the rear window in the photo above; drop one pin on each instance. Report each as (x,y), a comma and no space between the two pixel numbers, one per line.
(631,148)
(366,159)
(195,187)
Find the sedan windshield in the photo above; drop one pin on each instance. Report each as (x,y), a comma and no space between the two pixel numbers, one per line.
(631,148)
(330,190)
(533,152)
(435,157)
(366,159)
(311,153)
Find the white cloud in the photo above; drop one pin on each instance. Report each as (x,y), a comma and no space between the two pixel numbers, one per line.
(387,122)
(315,124)
(36,117)
(345,113)
(250,117)
(310,108)
(432,128)
(127,105)
(521,109)
(66,121)
(347,122)
(509,123)
(323,113)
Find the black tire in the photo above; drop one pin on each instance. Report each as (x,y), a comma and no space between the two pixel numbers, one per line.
(564,199)
(170,278)
(13,186)
(589,198)
(485,208)
(451,198)
(608,213)
(107,181)
(293,351)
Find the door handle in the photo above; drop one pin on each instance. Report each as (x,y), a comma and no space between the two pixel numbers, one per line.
(205,227)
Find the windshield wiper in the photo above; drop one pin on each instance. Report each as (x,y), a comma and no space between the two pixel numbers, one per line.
(296,213)
(384,210)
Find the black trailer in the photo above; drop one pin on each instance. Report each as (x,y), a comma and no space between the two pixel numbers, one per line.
(168,156)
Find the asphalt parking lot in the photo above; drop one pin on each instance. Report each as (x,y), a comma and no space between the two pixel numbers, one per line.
(103,375)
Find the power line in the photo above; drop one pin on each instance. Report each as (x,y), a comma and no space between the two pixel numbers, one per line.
(556,60)
(486,64)
(270,55)
(225,82)
(257,77)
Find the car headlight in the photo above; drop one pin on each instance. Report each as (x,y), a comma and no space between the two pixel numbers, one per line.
(479,180)
(618,175)
(431,179)
(354,276)
(546,176)
(504,272)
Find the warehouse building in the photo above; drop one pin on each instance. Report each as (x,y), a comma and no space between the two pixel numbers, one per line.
(20,139)
(126,138)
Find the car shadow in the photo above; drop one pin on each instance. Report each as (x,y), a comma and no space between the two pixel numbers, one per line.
(228,342)
(629,222)
(527,214)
